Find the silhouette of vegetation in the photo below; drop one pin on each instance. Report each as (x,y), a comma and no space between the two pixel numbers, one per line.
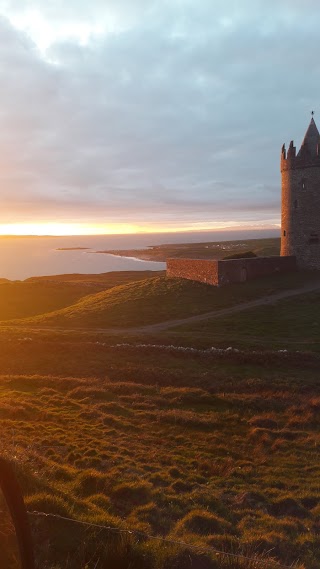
(244,255)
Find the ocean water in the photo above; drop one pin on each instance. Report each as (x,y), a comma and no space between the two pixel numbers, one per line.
(24,257)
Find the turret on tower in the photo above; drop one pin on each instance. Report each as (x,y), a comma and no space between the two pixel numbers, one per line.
(300,211)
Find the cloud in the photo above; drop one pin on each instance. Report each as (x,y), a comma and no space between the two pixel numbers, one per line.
(179,113)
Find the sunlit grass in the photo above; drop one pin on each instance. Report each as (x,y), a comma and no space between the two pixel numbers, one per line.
(39,295)
(217,450)
(159,299)
(196,452)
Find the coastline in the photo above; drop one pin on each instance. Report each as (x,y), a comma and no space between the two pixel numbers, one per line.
(204,250)
(129,257)
(135,254)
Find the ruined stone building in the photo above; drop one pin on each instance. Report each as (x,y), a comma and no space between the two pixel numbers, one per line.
(300,224)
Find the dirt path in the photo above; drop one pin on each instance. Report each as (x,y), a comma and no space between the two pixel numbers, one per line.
(161,326)
(265,300)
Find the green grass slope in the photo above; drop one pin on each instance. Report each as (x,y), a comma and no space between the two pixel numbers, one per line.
(159,299)
(107,280)
(24,299)
(133,304)
(287,324)
(39,295)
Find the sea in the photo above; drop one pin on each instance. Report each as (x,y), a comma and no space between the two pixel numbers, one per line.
(29,256)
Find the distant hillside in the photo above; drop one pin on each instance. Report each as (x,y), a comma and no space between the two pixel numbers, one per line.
(159,299)
(39,295)
(208,250)
(107,280)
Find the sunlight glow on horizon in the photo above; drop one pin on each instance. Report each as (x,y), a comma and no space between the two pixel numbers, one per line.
(69,229)
(61,229)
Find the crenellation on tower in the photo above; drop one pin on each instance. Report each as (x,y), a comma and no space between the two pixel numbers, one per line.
(309,153)
(291,151)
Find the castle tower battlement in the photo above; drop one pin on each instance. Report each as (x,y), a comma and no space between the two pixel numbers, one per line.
(309,153)
(300,211)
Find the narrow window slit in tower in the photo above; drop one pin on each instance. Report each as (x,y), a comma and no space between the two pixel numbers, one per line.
(314,238)
(284,233)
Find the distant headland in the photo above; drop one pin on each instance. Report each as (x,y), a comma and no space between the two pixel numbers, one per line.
(206,250)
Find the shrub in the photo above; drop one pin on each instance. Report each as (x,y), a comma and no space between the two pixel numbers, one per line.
(133,493)
(244,255)
(287,507)
(180,486)
(202,522)
(48,503)
(91,482)
(100,500)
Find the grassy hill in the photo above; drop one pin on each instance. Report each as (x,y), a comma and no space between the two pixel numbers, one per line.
(159,299)
(107,280)
(38,295)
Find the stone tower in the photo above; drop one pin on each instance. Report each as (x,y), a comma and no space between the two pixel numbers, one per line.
(300,211)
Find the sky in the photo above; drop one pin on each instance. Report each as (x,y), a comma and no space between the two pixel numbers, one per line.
(125,116)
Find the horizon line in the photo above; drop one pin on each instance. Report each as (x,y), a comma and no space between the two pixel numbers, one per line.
(233,229)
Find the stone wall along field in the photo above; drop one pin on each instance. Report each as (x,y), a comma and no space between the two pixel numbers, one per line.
(218,273)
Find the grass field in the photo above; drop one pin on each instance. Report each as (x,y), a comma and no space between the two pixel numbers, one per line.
(288,324)
(39,295)
(158,299)
(213,450)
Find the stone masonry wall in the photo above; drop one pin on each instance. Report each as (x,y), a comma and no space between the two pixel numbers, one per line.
(220,273)
(300,219)
(202,270)
(241,270)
